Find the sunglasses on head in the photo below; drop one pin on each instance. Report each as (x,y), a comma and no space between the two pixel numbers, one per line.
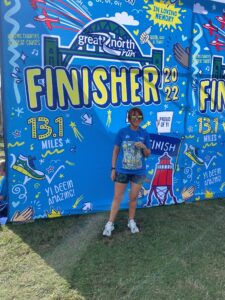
(136,117)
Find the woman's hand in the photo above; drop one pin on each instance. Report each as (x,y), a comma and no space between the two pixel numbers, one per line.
(113,174)
(140,145)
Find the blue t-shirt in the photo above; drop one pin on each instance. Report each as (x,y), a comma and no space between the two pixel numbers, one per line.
(131,159)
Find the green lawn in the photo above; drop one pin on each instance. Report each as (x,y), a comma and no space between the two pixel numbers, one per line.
(179,254)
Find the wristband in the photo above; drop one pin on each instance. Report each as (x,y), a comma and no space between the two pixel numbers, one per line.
(113,168)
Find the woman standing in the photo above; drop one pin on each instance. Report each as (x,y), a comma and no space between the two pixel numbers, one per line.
(132,146)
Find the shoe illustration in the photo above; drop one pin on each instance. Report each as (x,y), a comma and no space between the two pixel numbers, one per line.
(25,166)
(190,152)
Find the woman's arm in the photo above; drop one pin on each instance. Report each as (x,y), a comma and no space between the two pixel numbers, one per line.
(116,150)
(146,151)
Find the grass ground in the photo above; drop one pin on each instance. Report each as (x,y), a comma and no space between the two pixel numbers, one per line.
(179,254)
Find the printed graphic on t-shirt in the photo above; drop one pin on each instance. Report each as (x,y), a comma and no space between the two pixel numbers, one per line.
(132,156)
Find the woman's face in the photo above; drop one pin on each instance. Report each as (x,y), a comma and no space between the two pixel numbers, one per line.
(135,119)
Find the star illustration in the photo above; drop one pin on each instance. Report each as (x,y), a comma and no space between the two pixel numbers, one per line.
(23,57)
(41,161)
(193,113)
(16,133)
(165,106)
(61,176)
(50,169)
(19,111)
(72,124)
(207,157)
(67,141)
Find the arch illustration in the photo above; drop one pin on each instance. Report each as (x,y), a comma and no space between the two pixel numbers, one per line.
(105,32)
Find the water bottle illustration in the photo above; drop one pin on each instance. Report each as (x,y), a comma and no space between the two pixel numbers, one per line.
(145,37)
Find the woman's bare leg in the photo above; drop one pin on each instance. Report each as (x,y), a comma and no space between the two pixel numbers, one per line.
(119,190)
(134,191)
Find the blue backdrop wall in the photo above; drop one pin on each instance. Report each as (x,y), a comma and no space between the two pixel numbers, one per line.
(70,72)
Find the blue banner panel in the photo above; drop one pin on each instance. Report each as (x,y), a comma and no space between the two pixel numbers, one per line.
(161,144)
(71,70)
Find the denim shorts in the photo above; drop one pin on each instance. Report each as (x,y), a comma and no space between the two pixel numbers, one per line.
(125,178)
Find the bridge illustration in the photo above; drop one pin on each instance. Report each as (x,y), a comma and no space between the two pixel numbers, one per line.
(218,69)
(56,55)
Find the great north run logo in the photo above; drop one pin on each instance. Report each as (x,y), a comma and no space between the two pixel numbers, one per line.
(108,43)
(105,36)
(102,39)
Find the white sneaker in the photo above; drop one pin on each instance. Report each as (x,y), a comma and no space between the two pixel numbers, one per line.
(133,226)
(109,227)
